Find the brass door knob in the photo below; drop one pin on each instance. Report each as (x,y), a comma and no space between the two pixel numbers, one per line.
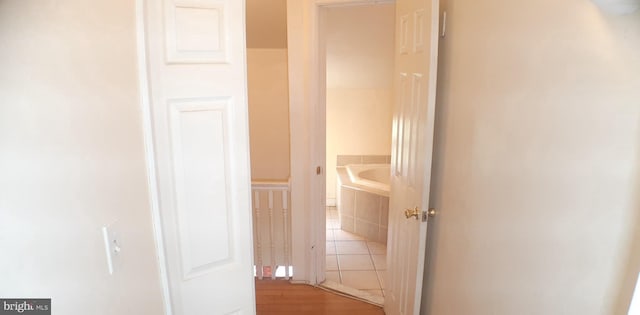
(431,213)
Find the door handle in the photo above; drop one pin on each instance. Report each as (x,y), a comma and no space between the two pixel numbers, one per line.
(415,212)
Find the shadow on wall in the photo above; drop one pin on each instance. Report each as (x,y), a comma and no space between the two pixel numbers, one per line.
(437,177)
(630,273)
(618,6)
(630,270)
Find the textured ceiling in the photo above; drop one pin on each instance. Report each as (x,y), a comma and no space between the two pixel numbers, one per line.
(266,23)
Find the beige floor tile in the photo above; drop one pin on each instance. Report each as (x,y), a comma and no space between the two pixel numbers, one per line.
(380,261)
(346,236)
(381,275)
(333,276)
(377,248)
(331,248)
(333,224)
(332,262)
(351,248)
(330,234)
(362,280)
(355,262)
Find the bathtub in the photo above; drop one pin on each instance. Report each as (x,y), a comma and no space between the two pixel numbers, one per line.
(371,177)
(363,200)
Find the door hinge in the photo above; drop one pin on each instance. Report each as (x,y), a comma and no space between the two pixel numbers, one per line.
(443,28)
(318,170)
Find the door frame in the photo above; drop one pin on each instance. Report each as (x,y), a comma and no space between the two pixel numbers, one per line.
(307,117)
(149,149)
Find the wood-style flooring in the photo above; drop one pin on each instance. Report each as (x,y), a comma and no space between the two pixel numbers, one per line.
(279,297)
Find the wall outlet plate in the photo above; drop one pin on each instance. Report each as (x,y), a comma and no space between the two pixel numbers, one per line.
(112,246)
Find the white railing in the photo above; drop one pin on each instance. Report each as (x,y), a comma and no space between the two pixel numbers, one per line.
(271,227)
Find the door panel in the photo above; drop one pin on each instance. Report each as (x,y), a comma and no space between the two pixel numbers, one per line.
(196,67)
(416,68)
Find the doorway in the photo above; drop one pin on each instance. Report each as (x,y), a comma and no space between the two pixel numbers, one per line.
(357,43)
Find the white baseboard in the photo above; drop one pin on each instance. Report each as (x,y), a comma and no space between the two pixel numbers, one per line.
(331,202)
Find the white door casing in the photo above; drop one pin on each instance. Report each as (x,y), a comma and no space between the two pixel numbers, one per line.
(417,24)
(319,147)
(196,69)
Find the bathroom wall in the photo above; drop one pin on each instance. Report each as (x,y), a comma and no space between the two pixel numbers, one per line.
(72,158)
(537,166)
(268,113)
(359,52)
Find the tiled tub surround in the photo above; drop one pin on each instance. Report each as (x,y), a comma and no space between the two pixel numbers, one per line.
(362,210)
(343,160)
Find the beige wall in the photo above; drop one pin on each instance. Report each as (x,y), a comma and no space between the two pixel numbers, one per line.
(72,158)
(359,47)
(266,23)
(268,113)
(537,167)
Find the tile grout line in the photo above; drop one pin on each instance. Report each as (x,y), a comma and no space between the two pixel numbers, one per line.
(337,255)
(339,268)
(376,269)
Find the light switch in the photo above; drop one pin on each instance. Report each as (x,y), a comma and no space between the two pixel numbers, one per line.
(112,246)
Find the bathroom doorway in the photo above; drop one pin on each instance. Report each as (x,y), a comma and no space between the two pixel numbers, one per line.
(358,45)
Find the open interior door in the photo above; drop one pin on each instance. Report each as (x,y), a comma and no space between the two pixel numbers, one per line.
(197,80)
(413,126)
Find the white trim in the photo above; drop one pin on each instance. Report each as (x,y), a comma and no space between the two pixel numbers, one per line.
(318,147)
(340,3)
(299,144)
(145,106)
(302,30)
(270,184)
(331,202)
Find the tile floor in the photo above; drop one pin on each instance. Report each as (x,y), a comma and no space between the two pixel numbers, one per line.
(353,261)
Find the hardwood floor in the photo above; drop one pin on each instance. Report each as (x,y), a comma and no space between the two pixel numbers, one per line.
(279,297)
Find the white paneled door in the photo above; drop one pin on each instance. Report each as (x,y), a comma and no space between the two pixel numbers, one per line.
(197,81)
(413,126)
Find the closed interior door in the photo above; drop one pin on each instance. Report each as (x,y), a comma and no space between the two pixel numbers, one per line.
(197,75)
